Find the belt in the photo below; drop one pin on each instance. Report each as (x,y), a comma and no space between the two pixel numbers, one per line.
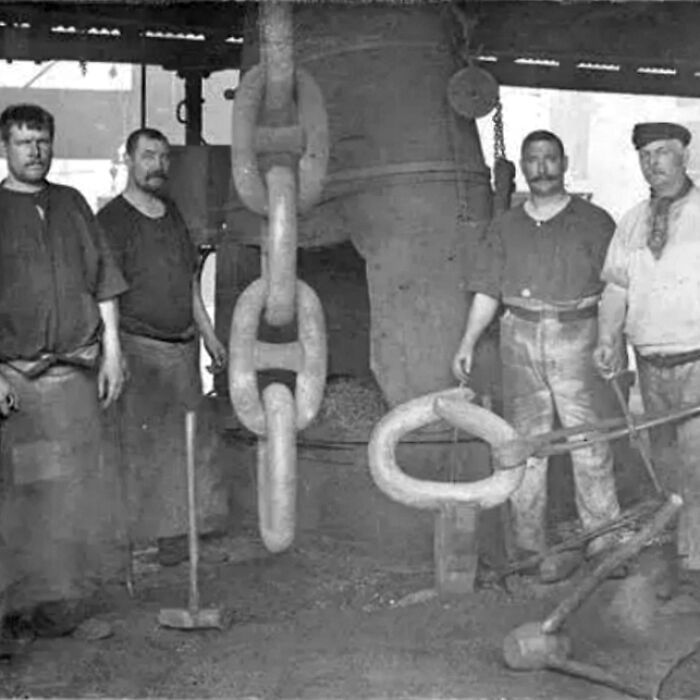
(181,339)
(680,358)
(86,357)
(562,316)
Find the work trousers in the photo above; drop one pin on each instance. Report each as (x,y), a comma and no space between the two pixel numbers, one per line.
(548,367)
(676,446)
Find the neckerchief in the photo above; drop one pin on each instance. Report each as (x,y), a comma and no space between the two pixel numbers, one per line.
(658,232)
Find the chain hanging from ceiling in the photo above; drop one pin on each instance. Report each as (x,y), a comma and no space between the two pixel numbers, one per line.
(279,158)
(503,169)
(473,92)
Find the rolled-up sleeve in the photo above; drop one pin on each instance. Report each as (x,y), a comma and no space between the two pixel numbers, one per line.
(616,267)
(487,272)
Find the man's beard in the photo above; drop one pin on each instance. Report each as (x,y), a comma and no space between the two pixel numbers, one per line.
(36,174)
(155,185)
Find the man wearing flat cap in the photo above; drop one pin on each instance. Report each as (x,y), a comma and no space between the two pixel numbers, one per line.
(652,297)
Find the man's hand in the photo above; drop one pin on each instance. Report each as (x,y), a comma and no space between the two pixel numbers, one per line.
(462,363)
(217,352)
(482,312)
(610,357)
(215,348)
(607,359)
(8,397)
(111,377)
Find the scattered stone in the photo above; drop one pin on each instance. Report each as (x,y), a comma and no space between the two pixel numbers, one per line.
(234,549)
(416,598)
(214,554)
(93,629)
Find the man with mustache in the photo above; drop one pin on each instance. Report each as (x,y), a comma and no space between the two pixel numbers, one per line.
(542,262)
(60,365)
(652,300)
(161,319)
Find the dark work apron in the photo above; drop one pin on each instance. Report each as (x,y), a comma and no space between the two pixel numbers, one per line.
(163,384)
(60,515)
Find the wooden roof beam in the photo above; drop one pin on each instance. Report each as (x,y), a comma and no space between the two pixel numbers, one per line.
(623,77)
(202,17)
(172,54)
(644,31)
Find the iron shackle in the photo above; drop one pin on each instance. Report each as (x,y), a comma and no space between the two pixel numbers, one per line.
(454,405)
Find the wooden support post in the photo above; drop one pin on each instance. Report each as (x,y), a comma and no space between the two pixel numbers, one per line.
(144,96)
(456,549)
(192,118)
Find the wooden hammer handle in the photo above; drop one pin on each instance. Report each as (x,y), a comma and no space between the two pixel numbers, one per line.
(617,557)
(595,674)
(192,540)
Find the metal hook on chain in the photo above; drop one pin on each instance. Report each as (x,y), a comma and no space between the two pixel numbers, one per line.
(503,169)
(499,144)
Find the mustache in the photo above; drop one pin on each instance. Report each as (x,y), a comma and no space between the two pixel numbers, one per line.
(157,173)
(544,178)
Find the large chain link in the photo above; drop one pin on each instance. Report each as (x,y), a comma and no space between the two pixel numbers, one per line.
(306,357)
(293,150)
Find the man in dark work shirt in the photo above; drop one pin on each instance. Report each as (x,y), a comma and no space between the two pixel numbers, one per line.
(161,318)
(542,261)
(60,361)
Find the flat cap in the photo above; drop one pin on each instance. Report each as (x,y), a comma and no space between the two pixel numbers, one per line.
(643,134)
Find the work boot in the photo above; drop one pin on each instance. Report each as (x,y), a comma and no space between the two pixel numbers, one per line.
(172,550)
(603,543)
(59,618)
(212,535)
(560,566)
(520,555)
(16,633)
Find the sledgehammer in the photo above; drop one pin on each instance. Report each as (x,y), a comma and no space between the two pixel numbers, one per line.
(536,646)
(527,648)
(193,618)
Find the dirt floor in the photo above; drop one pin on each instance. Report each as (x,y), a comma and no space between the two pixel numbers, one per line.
(327,620)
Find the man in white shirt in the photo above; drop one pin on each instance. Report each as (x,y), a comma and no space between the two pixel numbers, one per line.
(652,296)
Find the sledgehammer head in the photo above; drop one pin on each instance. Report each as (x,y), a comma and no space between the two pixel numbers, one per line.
(528,648)
(179,618)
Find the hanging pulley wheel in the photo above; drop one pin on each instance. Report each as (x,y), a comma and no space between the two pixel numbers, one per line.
(472,92)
